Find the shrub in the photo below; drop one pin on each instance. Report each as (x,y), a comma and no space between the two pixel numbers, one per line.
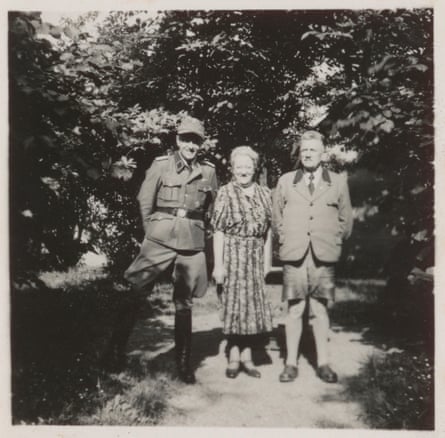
(397,391)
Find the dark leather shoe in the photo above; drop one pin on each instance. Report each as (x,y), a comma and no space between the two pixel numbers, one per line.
(326,374)
(289,373)
(250,370)
(186,375)
(232,373)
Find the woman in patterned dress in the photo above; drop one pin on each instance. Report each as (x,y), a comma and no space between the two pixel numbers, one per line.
(240,220)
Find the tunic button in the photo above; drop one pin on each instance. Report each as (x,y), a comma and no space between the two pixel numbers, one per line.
(311,204)
(308,233)
(312,217)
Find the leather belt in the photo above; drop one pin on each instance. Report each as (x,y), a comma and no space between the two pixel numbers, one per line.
(182,212)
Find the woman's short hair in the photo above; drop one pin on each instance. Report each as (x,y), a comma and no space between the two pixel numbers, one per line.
(246,151)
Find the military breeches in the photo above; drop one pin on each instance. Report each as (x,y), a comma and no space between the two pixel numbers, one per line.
(189,271)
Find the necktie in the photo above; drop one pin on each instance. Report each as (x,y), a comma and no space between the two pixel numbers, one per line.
(311,183)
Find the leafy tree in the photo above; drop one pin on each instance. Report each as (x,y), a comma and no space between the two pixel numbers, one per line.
(380,103)
(238,70)
(90,110)
(49,177)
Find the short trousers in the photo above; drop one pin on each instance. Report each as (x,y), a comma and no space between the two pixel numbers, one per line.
(309,277)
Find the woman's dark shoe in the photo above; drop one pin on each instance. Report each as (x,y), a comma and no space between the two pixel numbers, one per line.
(250,370)
(326,374)
(289,373)
(232,371)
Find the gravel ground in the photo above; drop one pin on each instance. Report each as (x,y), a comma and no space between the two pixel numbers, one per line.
(217,401)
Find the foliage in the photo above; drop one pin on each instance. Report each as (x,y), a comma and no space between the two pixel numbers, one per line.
(44,213)
(108,102)
(397,391)
(69,141)
(380,103)
(59,336)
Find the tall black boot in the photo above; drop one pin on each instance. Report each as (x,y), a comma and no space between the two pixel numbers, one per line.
(183,345)
(114,358)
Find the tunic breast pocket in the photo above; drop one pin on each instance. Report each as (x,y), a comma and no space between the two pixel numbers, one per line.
(170,189)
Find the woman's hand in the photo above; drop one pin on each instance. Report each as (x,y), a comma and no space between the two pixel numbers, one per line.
(218,274)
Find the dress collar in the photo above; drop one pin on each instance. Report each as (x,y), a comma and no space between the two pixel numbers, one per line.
(240,188)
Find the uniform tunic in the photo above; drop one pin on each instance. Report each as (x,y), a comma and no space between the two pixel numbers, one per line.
(170,183)
(244,220)
(174,200)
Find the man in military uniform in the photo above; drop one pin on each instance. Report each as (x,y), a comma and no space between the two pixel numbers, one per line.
(174,200)
(312,216)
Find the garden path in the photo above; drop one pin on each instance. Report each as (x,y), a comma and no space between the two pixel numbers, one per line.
(305,403)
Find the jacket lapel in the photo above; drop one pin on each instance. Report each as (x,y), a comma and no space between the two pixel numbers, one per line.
(300,186)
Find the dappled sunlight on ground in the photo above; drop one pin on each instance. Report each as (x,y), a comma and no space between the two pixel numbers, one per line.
(60,334)
(307,402)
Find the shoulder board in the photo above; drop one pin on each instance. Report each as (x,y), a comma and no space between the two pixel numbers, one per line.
(208,163)
(162,157)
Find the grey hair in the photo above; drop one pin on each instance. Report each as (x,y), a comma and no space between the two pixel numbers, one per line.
(311,135)
(246,151)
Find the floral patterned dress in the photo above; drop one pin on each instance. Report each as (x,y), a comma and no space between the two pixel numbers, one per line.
(244,220)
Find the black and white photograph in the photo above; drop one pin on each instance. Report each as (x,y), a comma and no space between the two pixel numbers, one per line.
(222,217)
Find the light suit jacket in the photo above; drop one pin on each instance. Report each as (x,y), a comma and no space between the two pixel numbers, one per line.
(323,219)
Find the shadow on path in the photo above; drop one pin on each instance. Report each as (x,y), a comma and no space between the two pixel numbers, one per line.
(205,344)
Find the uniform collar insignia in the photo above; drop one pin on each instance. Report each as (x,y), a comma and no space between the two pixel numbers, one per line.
(179,161)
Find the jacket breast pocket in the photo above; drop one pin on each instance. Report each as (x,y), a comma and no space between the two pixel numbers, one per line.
(170,189)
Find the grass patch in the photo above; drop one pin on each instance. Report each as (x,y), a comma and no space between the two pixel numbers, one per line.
(141,402)
(60,327)
(396,391)
(75,276)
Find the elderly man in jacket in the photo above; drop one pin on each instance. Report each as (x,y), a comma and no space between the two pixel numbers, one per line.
(312,216)
(175,199)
